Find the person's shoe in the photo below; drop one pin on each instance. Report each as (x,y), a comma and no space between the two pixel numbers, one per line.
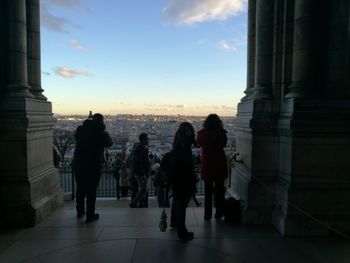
(207,218)
(185,237)
(91,219)
(132,205)
(218,216)
(80,215)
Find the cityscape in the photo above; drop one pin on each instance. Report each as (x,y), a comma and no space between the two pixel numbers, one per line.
(125,129)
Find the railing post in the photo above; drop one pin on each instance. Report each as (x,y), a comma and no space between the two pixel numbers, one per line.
(72,178)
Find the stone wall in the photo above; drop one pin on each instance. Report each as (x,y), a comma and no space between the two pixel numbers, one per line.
(294,138)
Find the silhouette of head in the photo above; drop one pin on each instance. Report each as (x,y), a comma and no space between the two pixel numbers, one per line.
(98,117)
(143,137)
(184,134)
(213,122)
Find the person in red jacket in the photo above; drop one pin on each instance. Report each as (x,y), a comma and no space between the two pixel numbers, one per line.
(212,139)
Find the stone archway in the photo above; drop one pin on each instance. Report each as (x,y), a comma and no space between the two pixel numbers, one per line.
(292,126)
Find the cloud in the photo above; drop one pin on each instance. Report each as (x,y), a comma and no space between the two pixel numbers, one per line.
(226,46)
(69,4)
(76,44)
(227,108)
(166,107)
(201,42)
(57,23)
(71,73)
(125,103)
(196,11)
(52,22)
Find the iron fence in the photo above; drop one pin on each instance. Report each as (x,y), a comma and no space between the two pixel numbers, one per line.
(108,184)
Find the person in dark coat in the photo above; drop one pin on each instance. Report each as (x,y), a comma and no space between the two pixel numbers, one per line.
(212,140)
(141,171)
(91,139)
(182,178)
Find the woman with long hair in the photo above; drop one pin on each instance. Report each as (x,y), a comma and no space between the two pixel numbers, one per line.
(212,139)
(182,178)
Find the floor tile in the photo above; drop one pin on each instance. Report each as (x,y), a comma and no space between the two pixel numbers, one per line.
(120,251)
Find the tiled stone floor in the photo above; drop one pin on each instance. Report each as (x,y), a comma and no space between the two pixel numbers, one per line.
(132,235)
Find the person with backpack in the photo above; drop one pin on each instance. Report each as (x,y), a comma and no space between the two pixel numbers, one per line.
(213,166)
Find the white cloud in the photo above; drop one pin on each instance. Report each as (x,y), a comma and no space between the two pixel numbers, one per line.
(125,103)
(166,107)
(76,44)
(227,46)
(196,11)
(57,23)
(201,42)
(69,4)
(52,22)
(71,73)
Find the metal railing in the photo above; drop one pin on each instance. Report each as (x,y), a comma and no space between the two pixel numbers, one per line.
(108,184)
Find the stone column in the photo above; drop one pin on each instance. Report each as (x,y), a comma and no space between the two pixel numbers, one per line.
(33,42)
(251,49)
(302,46)
(264,49)
(17,86)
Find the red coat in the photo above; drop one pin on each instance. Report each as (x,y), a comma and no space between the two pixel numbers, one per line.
(213,159)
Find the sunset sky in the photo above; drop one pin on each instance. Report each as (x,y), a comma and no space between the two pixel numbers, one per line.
(144,56)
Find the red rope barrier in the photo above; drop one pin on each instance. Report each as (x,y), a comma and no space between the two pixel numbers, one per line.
(302,211)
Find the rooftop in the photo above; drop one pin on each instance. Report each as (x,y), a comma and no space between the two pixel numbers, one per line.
(123,234)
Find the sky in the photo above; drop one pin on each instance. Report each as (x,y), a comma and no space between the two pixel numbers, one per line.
(163,57)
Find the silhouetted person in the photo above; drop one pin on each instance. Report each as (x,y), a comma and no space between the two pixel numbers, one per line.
(56,156)
(141,170)
(130,167)
(123,180)
(116,174)
(91,138)
(212,139)
(182,178)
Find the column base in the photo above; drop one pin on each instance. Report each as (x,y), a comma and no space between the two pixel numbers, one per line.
(29,184)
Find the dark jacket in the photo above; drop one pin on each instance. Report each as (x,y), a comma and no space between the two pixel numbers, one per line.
(182,175)
(91,139)
(213,159)
(141,161)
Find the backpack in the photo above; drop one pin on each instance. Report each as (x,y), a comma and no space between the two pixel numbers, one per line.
(232,210)
(130,160)
(166,163)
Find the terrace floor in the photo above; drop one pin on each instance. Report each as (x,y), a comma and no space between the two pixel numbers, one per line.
(123,234)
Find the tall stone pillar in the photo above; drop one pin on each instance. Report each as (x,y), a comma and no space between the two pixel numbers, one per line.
(303,44)
(313,183)
(251,49)
(256,120)
(33,41)
(29,184)
(17,86)
(264,49)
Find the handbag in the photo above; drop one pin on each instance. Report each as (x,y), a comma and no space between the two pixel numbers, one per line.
(163,225)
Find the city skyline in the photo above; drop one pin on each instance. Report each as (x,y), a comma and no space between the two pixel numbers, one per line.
(162,57)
